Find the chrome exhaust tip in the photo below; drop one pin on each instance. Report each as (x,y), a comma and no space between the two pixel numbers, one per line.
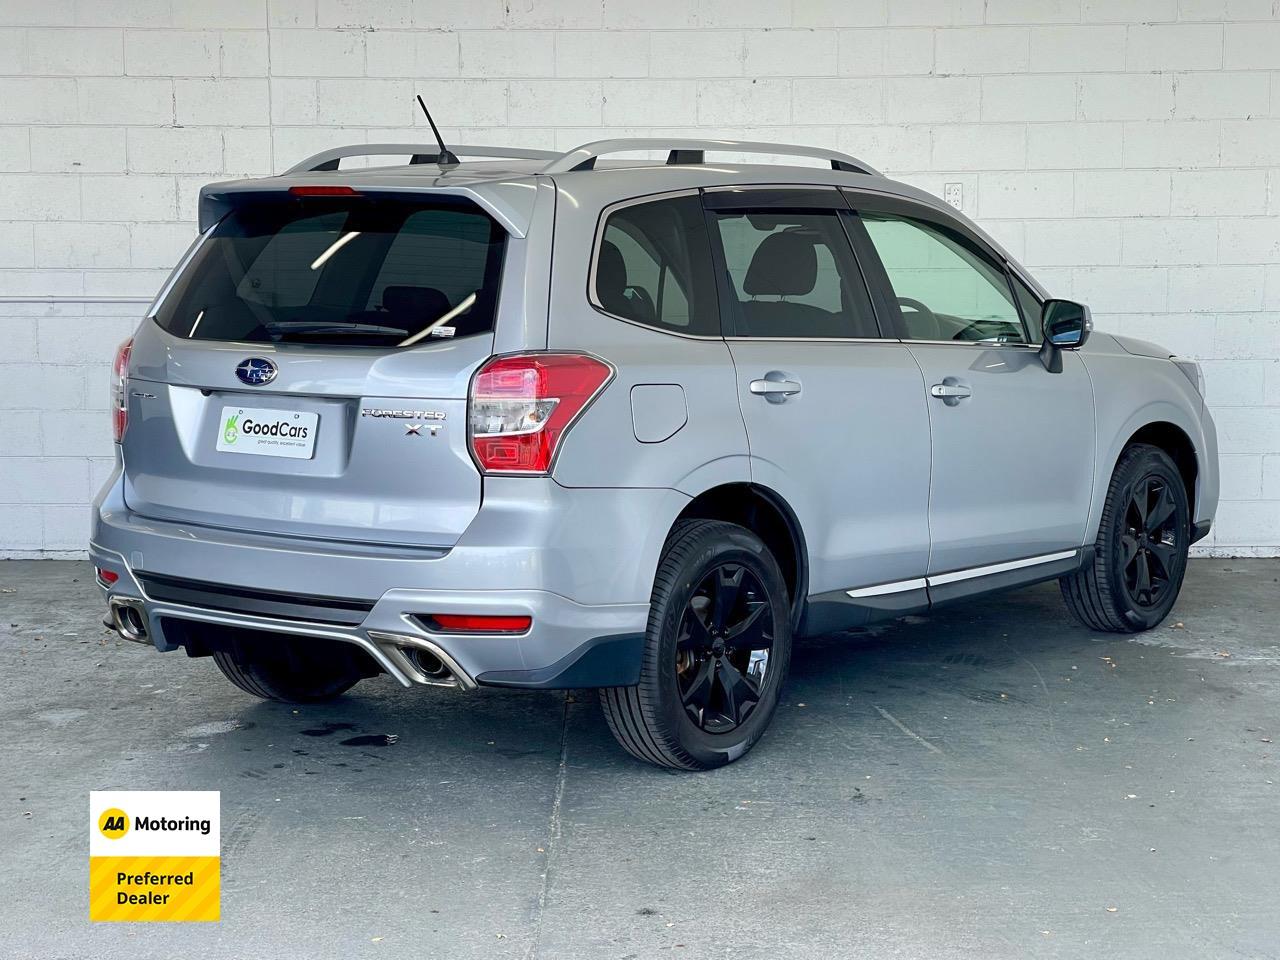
(129,618)
(423,661)
(430,666)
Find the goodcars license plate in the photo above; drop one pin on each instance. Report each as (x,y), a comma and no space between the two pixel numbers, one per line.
(268,433)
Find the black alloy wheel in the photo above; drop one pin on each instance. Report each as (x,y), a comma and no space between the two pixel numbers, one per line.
(1149,548)
(715,653)
(1131,577)
(723,647)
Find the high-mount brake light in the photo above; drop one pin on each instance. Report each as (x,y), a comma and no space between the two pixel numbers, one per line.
(522,405)
(119,397)
(323,190)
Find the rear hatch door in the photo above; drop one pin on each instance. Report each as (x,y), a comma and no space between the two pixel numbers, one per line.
(307,372)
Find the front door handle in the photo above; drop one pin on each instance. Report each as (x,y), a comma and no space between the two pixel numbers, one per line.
(775,387)
(950,391)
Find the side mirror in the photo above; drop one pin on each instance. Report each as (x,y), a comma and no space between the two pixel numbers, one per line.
(1066,325)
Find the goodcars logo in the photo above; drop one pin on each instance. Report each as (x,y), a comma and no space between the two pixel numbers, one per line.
(281,428)
(230,432)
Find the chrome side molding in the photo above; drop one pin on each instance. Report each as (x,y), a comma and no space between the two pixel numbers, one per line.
(880,589)
(955,576)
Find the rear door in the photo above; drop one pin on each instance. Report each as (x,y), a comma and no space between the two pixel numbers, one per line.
(307,373)
(1012,443)
(835,415)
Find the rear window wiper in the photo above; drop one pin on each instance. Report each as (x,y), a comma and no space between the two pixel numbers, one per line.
(334,327)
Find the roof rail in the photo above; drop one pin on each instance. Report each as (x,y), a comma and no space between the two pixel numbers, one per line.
(418,153)
(692,151)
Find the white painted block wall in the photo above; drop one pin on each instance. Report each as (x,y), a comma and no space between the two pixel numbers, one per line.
(1128,151)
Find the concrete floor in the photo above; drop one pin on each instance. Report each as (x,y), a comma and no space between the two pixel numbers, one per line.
(989,781)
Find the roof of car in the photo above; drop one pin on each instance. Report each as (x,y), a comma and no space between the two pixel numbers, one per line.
(506,185)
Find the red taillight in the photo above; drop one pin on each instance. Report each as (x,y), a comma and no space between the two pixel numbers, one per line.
(470,623)
(119,399)
(521,406)
(321,190)
(107,577)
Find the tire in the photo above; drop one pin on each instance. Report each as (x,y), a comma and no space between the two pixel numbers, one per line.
(283,669)
(1108,594)
(719,618)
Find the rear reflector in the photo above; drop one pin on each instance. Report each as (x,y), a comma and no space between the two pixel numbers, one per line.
(521,406)
(321,190)
(469,623)
(107,576)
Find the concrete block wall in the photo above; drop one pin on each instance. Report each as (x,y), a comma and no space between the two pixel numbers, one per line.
(1128,151)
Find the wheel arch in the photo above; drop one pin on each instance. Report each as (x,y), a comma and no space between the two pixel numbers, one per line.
(1165,423)
(1174,441)
(767,514)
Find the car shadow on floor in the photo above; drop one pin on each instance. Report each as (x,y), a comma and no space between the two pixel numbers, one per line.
(990,653)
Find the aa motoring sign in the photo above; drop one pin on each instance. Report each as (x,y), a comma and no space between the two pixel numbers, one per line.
(154,855)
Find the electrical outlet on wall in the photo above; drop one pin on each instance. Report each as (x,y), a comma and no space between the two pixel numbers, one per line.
(953,193)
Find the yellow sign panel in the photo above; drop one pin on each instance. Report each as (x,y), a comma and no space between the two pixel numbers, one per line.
(155,888)
(154,855)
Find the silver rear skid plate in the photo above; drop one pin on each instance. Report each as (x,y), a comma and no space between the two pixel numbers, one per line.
(410,660)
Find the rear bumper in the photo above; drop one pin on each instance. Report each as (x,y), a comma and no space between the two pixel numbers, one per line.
(578,562)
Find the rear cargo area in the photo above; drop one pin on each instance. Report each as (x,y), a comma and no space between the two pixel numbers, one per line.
(306,374)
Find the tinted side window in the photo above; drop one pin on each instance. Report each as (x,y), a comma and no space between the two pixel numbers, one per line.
(946,289)
(653,266)
(792,274)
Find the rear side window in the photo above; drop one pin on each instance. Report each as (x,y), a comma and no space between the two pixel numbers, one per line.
(792,274)
(349,271)
(653,266)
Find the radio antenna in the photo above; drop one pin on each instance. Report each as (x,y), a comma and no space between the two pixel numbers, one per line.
(445,158)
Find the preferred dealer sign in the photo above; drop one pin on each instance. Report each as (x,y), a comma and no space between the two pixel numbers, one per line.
(154,855)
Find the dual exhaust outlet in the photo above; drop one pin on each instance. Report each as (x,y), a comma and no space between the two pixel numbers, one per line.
(418,659)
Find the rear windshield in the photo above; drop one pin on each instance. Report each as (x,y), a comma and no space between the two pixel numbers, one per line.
(348,271)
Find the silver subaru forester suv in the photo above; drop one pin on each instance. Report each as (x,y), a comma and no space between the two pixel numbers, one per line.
(552,421)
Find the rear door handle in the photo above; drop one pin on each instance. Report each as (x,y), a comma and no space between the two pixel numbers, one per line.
(775,387)
(950,391)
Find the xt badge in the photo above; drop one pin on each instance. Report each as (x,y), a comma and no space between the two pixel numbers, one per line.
(434,419)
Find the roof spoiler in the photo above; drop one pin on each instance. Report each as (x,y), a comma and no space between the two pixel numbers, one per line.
(417,153)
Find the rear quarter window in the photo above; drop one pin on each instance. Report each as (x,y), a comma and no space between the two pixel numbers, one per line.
(350,271)
(652,266)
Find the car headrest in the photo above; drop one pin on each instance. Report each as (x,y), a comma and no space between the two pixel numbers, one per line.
(785,264)
(424,303)
(611,271)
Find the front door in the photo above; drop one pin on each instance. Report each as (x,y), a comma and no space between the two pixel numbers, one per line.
(836,416)
(1012,443)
